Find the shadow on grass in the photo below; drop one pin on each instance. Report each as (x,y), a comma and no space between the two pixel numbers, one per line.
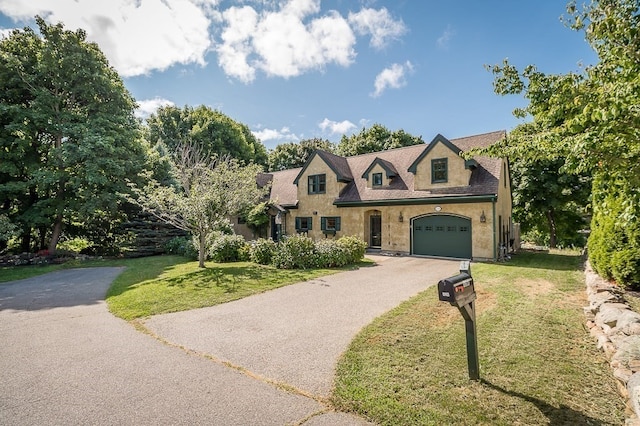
(561,415)
(543,260)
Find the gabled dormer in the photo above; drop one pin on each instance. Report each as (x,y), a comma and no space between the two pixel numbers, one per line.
(323,173)
(380,173)
(440,165)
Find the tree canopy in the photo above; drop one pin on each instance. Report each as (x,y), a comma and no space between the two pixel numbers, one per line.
(68,138)
(209,130)
(591,120)
(374,139)
(291,155)
(210,190)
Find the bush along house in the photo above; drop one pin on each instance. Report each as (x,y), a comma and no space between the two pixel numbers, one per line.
(421,200)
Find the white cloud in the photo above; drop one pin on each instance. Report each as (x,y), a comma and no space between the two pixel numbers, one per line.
(149,106)
(443,41)
(285,42)
(336,127)
(5,32)
(282,135)
(392,77)
(379,23)
(136,36)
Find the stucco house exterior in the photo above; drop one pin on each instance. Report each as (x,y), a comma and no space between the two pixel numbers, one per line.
(420,200)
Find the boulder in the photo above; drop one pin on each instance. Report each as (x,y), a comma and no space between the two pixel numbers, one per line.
(633,386)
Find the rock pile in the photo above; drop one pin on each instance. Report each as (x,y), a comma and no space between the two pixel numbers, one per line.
(617,330)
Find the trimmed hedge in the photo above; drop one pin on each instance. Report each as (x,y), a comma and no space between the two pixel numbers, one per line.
(614,243)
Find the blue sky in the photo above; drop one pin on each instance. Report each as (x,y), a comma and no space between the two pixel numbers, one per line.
(299,69)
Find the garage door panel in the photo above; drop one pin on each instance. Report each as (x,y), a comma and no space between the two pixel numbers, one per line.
(442,235)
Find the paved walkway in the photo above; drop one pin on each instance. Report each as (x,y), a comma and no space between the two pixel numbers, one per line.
(65,360)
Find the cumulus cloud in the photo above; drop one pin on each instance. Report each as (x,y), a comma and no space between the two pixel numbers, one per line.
(379,24)
(392,78)
(136,36)
(283,38)
(282,135)
(285,42)
(443,41)
(336,127)
(149,106)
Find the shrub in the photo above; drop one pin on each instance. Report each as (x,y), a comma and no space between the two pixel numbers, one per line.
(75,245)
(262,251)
(295,251)
(354,248)
(229,248)
(329,254)
(182,246)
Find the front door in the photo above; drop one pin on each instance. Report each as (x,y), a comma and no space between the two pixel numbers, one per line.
(376,231)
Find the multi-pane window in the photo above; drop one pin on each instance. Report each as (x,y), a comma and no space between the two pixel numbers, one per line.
(303,224)
(439,170)
(330,223)
(377,179)
(317,184)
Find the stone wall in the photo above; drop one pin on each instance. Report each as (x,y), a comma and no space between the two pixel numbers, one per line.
(617,331)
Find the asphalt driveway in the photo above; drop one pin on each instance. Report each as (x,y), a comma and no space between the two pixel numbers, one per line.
(64,359)
(294,335)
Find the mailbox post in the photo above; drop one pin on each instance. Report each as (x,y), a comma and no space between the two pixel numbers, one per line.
(459,291)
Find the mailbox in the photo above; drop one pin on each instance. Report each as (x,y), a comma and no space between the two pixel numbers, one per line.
(457,290)
(460,292)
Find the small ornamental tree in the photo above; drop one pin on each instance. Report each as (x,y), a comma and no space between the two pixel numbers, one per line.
(210,190)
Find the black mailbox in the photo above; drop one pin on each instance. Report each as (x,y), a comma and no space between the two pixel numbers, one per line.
(457,290)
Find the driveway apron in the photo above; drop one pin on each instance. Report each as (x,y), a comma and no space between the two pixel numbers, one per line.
(295,334)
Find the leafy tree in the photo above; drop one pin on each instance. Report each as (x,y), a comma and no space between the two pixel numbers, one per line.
(210,131)
(69,136)
(211,189)
(376,138)
(591,119)
(291,155)
(548,201)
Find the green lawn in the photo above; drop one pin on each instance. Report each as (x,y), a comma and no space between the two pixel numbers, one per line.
(537,362)
(165,285)
(13,273)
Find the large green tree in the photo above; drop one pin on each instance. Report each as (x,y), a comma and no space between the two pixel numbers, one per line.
(291,155)
(210,190)
(591,119)
(375,138)
(68,138)
(211,131)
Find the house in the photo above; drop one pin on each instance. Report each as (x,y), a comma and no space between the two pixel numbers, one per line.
(421,200)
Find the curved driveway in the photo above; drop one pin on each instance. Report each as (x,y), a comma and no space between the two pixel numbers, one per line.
(65,360)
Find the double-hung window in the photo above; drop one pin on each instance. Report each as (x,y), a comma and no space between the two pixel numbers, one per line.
(439,170)
(303,224)
(377,179)
(330,224)
(317,184)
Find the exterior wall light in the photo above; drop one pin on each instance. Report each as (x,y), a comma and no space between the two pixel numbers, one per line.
(483,218)
(400,218)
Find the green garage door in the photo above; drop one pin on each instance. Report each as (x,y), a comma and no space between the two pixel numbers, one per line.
(442,235)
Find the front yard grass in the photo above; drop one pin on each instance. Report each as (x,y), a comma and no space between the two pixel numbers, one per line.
(141,290)
(538,363)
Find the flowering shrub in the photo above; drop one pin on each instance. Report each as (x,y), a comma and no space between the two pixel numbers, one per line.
(229,248)
(353,248)
(262,251)
(295,252)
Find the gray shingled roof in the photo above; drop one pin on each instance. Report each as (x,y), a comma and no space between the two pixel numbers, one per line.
(484,178)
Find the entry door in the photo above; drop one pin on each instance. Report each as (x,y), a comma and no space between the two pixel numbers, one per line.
(376,231)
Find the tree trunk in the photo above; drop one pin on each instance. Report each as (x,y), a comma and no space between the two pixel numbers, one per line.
(201,250)
(25,240)
(553,236)
(55,235)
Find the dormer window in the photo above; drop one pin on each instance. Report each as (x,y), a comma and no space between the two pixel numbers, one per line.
(376,179)
(439,170)
(318,184)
